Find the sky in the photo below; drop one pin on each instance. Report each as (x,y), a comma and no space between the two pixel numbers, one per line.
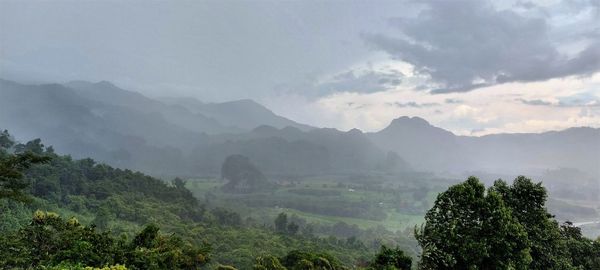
(470,66)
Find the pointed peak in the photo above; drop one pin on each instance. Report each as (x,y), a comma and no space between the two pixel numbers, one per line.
(354,131)
(413,124)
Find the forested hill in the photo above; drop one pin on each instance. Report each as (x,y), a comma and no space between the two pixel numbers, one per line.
(95,215)
(92,216)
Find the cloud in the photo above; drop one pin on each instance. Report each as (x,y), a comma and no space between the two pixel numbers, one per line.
(412,104)
(534,102)
(584,99)
(453,101)
(360,82)
(469,44)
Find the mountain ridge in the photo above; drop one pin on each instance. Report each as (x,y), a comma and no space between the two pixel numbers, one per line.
(126,128)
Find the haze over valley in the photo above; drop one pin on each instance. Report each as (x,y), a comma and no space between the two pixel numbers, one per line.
(272,135)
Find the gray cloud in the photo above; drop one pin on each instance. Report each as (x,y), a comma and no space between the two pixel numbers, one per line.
(578,100)
(365,82)
(453,101)
(469,44)
(212,50)
(534,102)
(413,104)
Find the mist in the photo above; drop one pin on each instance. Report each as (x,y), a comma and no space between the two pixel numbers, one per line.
(292,132)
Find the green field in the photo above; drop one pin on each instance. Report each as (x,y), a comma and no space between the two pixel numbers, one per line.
(368,202)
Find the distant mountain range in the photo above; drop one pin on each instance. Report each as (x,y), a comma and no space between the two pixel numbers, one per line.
(425,147)
(175,136)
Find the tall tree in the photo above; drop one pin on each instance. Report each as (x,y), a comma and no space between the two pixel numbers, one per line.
(527,203)
(469,229)
(281,223)
(391,259)
(13,166)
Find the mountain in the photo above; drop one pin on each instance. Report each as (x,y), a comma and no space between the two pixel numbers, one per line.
(291,151)
(424,146)
(427,147)
(126,129)
(245,114)
(187,136)
(108,93)
(90,128)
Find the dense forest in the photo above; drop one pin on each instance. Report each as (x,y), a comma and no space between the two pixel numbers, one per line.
(61,213)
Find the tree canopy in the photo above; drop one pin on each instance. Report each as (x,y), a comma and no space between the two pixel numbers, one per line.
(505,227)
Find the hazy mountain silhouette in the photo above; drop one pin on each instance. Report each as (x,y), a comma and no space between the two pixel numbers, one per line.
(175,136)
(427,147)
(244,114)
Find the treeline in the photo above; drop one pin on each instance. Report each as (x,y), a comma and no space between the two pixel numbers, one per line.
(117,203)
(50,241)
(469,227)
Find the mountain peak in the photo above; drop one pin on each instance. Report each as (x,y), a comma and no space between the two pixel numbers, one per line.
(413,125)
(409,121)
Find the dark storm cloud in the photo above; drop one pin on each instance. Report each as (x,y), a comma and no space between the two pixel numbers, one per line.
(469,44)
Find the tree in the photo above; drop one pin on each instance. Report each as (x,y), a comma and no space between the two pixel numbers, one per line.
(226,217)
(12,168)
(469,229)
(103,218)
(49,241)
(267,262)
(281,223)
(392,259)
(526,200)
(6,141)
(298,259)
(13,165)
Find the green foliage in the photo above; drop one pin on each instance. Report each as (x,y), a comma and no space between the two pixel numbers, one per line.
(283,226)
(225,267)
(391,259)
(268,262)
(123,201)
(13,164)
(506,227)
(584,252)
(226,217)
(527,200)
(467,228)
(281,223)
(307,260)
(49,241)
